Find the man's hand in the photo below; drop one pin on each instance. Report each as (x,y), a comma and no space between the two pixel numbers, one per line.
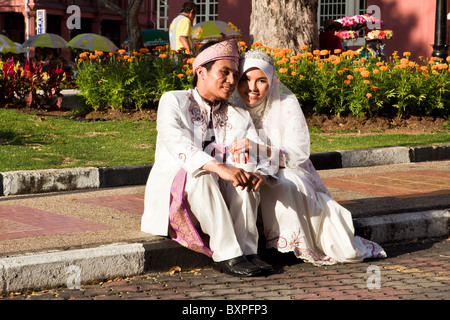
(239,177)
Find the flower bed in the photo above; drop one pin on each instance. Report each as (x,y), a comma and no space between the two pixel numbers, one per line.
(337,83)
(342,83)
(30,85)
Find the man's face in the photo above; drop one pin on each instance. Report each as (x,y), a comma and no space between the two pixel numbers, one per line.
(191,15)
(219,82)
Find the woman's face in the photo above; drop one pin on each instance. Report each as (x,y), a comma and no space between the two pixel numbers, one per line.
(253,86)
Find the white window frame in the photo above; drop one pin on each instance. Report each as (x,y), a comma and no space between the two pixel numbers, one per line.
(352,7)
(162,21)
(205,16)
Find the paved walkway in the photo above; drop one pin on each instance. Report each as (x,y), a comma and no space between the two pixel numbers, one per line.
(414,271)
(389,203)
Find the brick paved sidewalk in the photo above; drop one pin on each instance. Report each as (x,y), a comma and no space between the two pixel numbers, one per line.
(413,271)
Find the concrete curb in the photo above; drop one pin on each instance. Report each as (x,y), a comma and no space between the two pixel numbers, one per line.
(71,268)
(55,180)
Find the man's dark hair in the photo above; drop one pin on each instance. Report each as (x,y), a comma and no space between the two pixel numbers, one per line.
(208,65)
(188,7)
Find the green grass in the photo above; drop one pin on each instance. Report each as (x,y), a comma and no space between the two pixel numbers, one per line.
(322,142)
(33,142)
(30,142)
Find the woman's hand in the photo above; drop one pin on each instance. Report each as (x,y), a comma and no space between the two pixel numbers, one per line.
(240,150)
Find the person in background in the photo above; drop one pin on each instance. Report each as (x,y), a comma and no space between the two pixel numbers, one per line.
(180,28)
(327,39)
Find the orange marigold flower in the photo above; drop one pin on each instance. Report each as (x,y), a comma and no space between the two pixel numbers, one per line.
(293,73)
(383,68)
(368,95)
(283,70)
(93,56)
(376,71)
(121,51)
(163,55)
(347,81)
(365,73)
(406,54)
(324,52)
(366,82)
(349,77)
(337,51)
(143,50)
(304,47)
(374,88)
(180,75)
(404,61)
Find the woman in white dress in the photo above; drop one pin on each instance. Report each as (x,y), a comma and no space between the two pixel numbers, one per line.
(298,213)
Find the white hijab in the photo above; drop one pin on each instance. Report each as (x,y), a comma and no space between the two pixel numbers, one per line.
(279,119)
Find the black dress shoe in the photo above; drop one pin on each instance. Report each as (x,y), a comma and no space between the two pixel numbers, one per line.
(257,261)
(238,266)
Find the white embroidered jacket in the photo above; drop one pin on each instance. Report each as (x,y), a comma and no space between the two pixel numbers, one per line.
(182,124)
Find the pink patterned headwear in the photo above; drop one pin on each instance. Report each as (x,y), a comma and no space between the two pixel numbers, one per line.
(224,50)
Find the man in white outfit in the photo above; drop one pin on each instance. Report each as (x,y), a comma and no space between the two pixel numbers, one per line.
(191,182)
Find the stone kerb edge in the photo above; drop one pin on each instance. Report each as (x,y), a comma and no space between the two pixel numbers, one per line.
(55,180)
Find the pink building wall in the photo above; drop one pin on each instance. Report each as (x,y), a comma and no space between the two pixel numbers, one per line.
(413,24)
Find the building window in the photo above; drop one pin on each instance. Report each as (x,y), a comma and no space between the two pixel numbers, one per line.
(207,10)
(162,16)
(336,9)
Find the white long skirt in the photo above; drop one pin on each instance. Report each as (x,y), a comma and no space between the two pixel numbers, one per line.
(297,218)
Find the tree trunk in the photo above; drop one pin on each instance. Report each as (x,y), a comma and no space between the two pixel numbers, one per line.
(131,16)
(133,28)
(285,23)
